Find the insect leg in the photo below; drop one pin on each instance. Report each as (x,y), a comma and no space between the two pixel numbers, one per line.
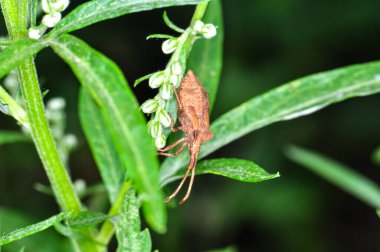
(174,154)
(180,107)
(189,188)
(172,145)
(179,187)
(172,128)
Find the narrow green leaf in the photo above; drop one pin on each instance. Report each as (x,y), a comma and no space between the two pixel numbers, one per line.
(106,84)
(170,24)
(139,80)
(128,227)
(238,169)
(32,229)
(98,10)
(376,156)
(7,137)
(14,54)
(206,57)
(102,147)
(5,42)
(159,36)
(228,249)
(146,241)
(338,174)
(87,219)
(297,98)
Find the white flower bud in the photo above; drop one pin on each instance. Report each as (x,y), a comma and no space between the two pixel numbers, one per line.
(176,68)
(169,45)
(149,106)
(36,32)
(175,80)
(160,141)
(57,103)
(157,79)
(45,5)
(209,31)
(155,129)
(50,20)
(165,91)
(164,118)
(198,26)
(70,141)
(80,185)
(59,5)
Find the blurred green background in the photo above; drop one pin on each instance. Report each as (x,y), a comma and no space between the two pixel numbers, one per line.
(267,43)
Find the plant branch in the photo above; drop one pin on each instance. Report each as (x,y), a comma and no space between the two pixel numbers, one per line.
(14,109)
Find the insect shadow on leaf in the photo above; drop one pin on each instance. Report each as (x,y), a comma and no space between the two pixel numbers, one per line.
(193,114)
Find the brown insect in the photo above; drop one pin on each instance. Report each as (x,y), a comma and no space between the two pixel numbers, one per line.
(193,114)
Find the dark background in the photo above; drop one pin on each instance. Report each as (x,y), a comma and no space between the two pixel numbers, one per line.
(267,43)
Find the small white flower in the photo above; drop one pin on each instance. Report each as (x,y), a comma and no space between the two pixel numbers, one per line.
(175,80)
(155,129)
(50,20)
(176,68)
(59,5)
(160,141)
(70,141)
(36,32)
(198,26)
(164,118)
(209,31)
(169,45)
(157,79)
(149,106)
(165,91)
(45,5)
(57,103)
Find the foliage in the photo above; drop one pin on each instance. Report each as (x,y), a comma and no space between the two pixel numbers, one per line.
(116,129)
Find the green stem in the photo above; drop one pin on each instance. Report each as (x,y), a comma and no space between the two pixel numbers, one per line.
(108,229)
(15,14)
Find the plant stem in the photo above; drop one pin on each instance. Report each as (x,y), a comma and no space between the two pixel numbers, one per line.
(15,14)
(14,109)
(107,230)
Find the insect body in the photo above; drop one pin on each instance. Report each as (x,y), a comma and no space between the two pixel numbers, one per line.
(193,114)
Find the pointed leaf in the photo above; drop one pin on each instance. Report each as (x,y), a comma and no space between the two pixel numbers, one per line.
(101,144)
(87,219)
(170,24)
(297,98)
(32,229)
(7,137)
(206,57)
(238,169)
(14,54)
(338,174)
(128,227)
(98,10)
(146,241)
(106,84)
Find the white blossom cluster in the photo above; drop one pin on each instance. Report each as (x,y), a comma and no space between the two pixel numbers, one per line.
(168,79)
(52,10)
(55,114)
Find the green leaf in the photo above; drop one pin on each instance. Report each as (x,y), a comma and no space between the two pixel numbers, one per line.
(238,169)
(338,174)
(16,53)
(146,241)
(106,84)
(159,36)
(139,80)
(295,99)
(170,24)
(87,219)
(101,144)
(376,156)
(98,10)
(128,227)
(206,57)
(32,229)
(7,137)
(228,249)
